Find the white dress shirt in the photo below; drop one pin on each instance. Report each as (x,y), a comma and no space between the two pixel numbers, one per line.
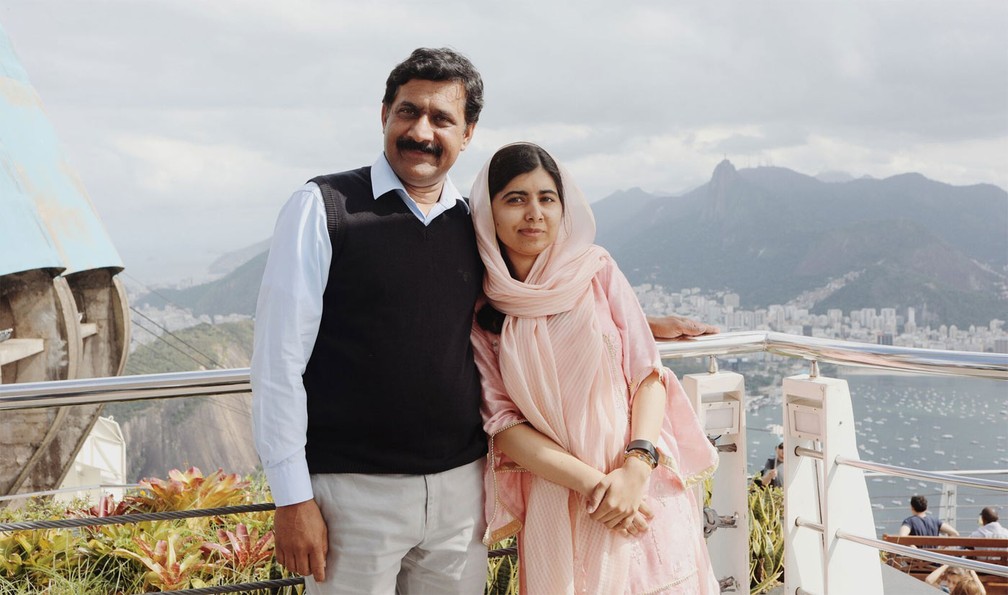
(991,530)
(287,320)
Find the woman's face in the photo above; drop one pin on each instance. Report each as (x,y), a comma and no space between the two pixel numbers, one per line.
(527,215)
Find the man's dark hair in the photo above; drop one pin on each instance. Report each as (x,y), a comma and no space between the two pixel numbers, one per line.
(439,64)
(989,515)
(781,445)
(918,503)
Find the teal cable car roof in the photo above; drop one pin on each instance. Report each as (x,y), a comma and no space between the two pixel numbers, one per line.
(47,220)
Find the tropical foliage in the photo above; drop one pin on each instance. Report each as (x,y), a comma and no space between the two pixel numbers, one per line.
(502,578)
(157,556)
(766,538)
(148,556)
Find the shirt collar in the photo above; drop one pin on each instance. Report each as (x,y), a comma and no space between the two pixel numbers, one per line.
(384,180)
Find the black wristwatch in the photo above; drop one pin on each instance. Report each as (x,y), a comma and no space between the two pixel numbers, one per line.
(645,447)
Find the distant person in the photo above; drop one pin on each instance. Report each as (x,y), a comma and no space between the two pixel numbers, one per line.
(923,524)
(946,577)
(969,586)
(989,525)
(773,470)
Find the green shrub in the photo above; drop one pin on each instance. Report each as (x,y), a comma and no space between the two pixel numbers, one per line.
(208,551)
(147,556)
(766,538)
(502,575)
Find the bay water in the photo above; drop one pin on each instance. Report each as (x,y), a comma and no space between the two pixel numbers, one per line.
(934,423)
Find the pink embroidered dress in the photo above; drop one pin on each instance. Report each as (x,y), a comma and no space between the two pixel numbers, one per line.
(574,347)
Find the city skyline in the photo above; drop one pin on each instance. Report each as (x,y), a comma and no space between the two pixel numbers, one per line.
(878,324)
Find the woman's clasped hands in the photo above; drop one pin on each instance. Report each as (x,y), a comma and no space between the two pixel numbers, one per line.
(618,499)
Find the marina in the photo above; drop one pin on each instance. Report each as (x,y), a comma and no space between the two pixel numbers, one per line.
(928,422)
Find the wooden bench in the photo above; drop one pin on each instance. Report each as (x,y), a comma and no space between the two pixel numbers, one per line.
(983,549)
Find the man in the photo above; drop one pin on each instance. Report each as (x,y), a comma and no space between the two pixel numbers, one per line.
(921,523)
(365,394)
(773,470)
(989,525)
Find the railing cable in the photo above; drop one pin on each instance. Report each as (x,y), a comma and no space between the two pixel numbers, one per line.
(923,554)
(240,587)
(139,517)
(973,482)
(209,359)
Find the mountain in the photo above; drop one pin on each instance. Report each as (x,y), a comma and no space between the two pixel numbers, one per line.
(620,209)
(834,177)
(235,293)
(232,260)
(177,433)
(770,233)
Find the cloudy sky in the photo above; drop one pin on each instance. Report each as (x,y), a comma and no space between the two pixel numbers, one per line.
(191,122)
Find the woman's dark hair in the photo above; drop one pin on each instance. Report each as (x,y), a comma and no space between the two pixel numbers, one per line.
(490,319)
(439,64)
(517,159)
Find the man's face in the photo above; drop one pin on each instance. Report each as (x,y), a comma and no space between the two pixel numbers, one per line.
(780,454)
(425,130)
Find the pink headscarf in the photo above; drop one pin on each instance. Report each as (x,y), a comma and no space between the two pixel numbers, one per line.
(558,283)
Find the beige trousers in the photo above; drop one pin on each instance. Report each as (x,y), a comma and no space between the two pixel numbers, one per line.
(406,534)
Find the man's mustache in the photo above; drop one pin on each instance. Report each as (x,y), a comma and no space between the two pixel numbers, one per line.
(408,144)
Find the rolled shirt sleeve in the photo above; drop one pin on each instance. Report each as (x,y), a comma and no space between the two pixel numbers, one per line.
(288,313)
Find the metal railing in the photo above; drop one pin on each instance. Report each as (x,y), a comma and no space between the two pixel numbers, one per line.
(914,552)
(846,353)
(949,478)
(816,350)
(61,393)
(236,381)
(910,473)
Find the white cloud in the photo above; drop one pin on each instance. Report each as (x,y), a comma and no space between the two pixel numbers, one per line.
(218,110)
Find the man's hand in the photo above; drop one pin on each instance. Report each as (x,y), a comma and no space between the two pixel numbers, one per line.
(302,539)
(616,499)
(676,327)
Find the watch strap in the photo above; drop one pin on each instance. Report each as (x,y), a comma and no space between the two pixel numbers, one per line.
(646,447)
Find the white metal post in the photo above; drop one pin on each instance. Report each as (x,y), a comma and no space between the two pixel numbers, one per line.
(719,400)
(818,413)
(948,508)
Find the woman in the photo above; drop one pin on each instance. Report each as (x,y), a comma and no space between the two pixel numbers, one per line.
(969,586)
(571,378)
(946,577)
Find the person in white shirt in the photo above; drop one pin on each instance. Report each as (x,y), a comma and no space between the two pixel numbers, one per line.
(365,394)
(989,525)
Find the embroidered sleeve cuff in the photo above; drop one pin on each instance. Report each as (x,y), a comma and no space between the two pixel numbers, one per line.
(289,481)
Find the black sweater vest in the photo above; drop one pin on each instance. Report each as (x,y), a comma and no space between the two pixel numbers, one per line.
(392,385)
